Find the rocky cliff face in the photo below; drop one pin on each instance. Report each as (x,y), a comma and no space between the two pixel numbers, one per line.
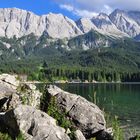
(20,23)
(17,22)
(126,22)
(103,22)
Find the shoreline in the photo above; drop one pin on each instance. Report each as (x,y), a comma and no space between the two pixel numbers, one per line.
(39,82)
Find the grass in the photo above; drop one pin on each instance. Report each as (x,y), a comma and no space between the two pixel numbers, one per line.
(117,131)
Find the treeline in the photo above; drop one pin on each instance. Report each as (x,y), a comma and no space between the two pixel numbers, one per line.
(89,74)
(40,70)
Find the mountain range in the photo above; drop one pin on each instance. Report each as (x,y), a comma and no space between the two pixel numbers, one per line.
(17,22)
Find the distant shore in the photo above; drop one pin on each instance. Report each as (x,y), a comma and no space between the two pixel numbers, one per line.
(40,82)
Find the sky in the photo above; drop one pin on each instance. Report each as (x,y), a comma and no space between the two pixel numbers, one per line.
(72,8)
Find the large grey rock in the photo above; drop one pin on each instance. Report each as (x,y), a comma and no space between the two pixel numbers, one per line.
(86,115)
(34,124)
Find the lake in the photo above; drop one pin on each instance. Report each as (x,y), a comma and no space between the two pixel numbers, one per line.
(122,100)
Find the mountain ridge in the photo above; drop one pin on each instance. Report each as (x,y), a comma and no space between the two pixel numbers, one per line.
(18,22)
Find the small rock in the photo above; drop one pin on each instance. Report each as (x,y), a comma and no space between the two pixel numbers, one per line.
(79,135)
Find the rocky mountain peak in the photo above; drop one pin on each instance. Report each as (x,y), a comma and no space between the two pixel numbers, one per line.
(125,23)
(85,25)
(103,22)
(103,16)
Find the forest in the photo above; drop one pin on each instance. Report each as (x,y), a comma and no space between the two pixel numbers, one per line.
(49,61)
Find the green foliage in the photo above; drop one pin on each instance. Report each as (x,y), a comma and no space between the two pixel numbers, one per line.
(118,62)
(55,112)
(23,91)
(117,131)
(114,123)
(138,138)
(20,137)
(5,136)
(60,116)
(49,105)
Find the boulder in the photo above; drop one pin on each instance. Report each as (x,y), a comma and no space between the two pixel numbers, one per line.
(8,97)
(79,135)
(10,81)
(34,124)
(86,116)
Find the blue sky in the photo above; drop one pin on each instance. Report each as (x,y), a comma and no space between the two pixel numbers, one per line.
(37,6)
(72,8)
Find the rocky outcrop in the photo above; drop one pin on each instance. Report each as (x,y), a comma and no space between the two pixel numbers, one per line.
(34,124)
(86,116)
(12,93)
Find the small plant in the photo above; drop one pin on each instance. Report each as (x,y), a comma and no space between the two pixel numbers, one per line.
(61,118)
(138,138)
(5,136)
(117,131)
(20,136)
(22,88)
(58,115)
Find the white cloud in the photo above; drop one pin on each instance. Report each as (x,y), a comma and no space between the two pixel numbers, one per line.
(78,12)
(67,7)
(107,9)
(89,8)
